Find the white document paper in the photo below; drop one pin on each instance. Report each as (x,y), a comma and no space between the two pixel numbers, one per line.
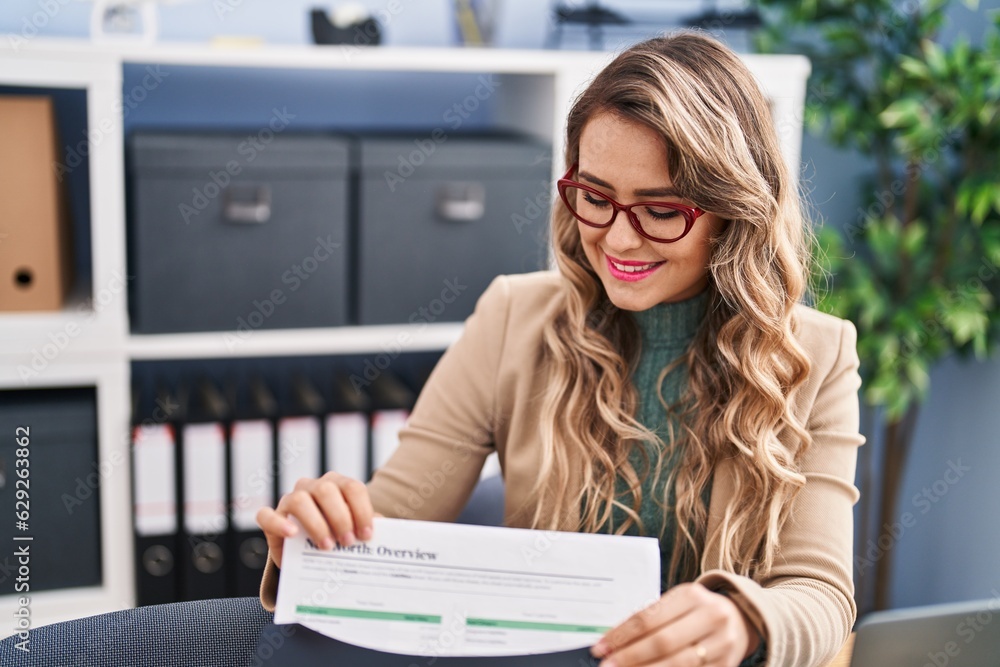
(439,589)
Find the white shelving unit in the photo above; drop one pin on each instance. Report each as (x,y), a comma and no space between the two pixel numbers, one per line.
(537,90)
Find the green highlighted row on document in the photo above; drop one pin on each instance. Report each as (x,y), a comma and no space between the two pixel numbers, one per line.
(429,618)
(534,625)
(368,614)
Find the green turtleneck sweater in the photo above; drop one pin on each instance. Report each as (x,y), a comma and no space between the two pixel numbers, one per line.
(667,329)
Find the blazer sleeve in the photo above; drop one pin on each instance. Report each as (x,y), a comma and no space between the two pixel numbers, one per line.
(449,433)
(805,606)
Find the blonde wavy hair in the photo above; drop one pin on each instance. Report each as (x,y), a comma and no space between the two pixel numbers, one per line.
(744,363)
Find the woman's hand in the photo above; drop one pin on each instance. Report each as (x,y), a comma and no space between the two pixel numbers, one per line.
(331,508)
(689,626)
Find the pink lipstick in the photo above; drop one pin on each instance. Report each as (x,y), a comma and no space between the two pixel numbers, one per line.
(631,271)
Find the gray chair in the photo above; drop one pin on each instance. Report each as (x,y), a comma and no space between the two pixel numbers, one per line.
(208,633)
(203,633)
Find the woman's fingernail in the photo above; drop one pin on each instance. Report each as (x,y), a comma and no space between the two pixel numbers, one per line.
(366,533)
(326,543)
(290,529)
(600,649)
(348,539)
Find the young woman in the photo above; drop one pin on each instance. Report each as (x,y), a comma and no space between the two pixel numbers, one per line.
(664,381)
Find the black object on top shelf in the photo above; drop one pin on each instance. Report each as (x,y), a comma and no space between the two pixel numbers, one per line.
(593,14)
(363,33)
(713,18)
(596,17)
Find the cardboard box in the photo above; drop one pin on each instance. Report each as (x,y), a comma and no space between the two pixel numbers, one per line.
(35,245)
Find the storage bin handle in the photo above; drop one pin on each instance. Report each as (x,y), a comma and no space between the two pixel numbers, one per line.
(461,201)
(248,204)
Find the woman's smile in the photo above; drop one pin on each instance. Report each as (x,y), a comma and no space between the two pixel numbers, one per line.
(631,270)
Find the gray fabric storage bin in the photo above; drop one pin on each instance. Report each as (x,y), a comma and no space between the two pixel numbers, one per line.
(61,494)
(238,232)
(441,215)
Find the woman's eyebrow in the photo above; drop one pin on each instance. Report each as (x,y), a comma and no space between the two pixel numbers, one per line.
(645,192)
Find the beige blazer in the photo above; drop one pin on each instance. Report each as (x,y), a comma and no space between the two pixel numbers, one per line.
(483,396)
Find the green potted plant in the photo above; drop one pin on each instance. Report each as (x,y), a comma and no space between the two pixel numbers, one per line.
(918,273)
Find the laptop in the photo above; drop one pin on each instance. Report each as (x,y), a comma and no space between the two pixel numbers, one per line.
(961,634)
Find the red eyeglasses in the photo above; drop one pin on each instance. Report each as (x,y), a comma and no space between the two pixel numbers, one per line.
(659,221)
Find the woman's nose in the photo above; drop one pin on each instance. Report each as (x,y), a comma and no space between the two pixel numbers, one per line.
(621,235)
